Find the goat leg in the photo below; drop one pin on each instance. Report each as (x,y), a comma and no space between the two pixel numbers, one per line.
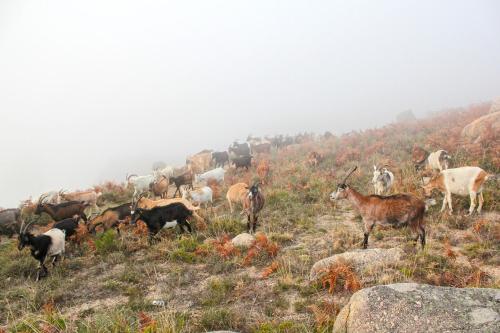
(249,230)
(368,228)
(422,237)
(188,227)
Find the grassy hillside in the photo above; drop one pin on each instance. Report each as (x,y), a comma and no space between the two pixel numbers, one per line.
(200,282)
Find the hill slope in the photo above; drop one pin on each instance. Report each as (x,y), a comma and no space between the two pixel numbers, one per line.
(112,283)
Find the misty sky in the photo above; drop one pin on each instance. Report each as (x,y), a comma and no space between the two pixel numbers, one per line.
(91,90)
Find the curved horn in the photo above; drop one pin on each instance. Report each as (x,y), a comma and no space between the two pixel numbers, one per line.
(349,174)
(130,176)
(136,202)
(42,197)
(26,227)
(141,195)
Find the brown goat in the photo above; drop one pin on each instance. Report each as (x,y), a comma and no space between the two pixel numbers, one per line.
(263,170)
(236,194)
(89,197)
(314,159)
(396,210)
(160,187)
(200,162)
(62,211)
(111,218)
(253,203)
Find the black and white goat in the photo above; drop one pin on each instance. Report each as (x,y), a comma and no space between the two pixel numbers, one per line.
(49,244)
(157,217)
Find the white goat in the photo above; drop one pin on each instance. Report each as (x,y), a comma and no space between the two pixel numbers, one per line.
(461,181)
(217,174)
(382,180)
(140,183)
(438,160)
(199,196)
(166,172)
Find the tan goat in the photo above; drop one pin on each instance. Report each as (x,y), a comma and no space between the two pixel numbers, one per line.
(236,194)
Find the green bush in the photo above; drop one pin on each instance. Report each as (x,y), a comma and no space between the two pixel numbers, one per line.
(106,242)
(218,290)
(183,250)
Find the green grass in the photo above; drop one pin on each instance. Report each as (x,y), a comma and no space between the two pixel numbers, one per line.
(217,291)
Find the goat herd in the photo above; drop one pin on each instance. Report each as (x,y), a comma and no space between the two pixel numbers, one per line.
(67,209)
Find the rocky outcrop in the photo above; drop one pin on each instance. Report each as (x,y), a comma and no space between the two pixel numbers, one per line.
(359,259)
(243,240)
(476,129)
(411,307)
(495,105)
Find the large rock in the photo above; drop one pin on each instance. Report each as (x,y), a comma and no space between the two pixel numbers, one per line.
(476,129)
(495,105)
(360,259)
(243,240)
(411,307)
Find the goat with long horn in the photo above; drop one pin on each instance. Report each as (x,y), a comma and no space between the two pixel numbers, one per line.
(49,244)
(395,210)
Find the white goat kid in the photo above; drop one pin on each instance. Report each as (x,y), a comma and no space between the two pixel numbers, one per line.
(382,180)
(199,196)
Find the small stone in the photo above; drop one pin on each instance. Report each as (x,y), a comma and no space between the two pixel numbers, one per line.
(243,240)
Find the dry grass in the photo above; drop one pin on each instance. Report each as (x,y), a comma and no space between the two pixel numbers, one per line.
(206,283)
(343,272)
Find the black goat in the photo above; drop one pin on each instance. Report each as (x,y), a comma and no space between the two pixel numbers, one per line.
(157,217)
(184,179)
(220,158)
(239,149)
(242,161)
(69,226)
(50,243)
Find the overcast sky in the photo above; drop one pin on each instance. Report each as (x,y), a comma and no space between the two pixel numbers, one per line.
(91,90)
